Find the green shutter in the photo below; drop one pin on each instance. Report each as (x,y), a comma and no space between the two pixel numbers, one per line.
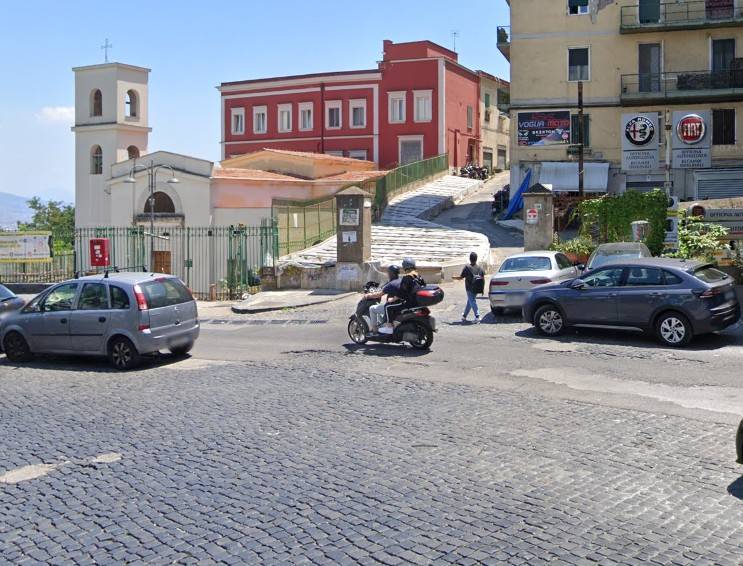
(576,3)
(487,100)
(574,129)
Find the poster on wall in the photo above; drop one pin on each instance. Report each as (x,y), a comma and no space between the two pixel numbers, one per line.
(26,247)
(544,128)
(640,149)
(692,135)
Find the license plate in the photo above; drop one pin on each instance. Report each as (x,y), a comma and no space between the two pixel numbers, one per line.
(730,294)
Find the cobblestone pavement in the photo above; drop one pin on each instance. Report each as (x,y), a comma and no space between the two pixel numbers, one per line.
(295,462)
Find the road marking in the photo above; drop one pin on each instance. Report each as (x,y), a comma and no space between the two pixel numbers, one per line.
(705,397)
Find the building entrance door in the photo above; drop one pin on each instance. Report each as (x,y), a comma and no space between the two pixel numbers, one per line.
(161,261)
(649,66)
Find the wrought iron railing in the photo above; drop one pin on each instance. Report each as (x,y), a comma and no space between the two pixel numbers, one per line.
(680,14)
(683,84)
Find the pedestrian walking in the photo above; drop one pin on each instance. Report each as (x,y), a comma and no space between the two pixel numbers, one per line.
(474,284)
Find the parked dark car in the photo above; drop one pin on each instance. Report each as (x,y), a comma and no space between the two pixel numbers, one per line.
(674,299)
(739,443)
(9,302)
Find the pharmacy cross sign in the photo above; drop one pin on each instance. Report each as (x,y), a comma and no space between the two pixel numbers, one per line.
(639,130)
(105,47)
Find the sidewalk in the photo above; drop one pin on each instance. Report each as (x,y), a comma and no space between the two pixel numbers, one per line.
(280,300)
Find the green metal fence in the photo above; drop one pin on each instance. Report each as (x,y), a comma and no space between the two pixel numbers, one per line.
(303,224)
(216,262)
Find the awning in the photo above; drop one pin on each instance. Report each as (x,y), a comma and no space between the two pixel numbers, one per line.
(563,176)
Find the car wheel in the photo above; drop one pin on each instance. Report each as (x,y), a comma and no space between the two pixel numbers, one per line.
(182,350)
(549,320)
(673,329)
(122,354)
(16,348)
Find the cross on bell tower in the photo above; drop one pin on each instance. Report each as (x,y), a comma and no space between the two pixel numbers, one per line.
(105,47)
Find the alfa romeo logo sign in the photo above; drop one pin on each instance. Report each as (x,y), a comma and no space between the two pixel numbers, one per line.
(639,131)
(691,129)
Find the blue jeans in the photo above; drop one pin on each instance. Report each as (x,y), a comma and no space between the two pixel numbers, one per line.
(471,304)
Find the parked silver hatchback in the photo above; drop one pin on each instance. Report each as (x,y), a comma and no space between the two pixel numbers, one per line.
(120,315)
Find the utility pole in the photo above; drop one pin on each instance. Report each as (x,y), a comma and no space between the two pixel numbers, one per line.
(668,126)
(581,190)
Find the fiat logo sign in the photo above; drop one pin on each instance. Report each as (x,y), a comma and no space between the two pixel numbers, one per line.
(691,129)
(639,130)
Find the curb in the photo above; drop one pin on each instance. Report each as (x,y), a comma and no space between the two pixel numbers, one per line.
(258,309)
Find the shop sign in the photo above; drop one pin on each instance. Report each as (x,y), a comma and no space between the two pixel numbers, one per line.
(692,136)
(640,142)
(26,247)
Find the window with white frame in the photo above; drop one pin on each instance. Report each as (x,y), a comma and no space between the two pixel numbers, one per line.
(305,116)
(357,154)
(238,121)
(579,64)
(357,111)
(470,117)
(335,152)
(410,149)
(422,105)
(285,117)
(333,120)
(260,119)
(396,104)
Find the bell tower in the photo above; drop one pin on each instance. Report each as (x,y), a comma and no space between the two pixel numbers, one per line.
(111,125)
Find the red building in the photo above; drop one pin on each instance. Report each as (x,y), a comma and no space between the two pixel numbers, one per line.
(419,102)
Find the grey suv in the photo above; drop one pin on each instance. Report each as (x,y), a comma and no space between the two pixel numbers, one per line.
(675,299)
(120,315)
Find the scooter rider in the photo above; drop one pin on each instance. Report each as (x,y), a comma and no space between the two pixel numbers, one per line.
(391,290)
(410,283)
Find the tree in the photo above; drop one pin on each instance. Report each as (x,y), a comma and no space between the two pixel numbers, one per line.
(52,216)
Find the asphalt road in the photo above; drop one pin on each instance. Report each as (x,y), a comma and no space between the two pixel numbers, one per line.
(279,441)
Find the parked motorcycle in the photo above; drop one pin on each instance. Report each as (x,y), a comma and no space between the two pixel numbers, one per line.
(472,171)
(416,325)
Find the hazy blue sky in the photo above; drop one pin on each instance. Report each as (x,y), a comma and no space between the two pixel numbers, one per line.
(191,47)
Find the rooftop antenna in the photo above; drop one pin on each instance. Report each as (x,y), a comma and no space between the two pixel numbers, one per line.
(105,47)
(454,35)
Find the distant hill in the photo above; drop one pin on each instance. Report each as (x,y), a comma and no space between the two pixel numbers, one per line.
(12,209)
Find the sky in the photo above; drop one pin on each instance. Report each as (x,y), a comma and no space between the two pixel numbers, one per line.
(191,47)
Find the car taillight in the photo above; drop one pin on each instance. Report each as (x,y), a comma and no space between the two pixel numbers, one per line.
(423,312)
(143,327)
(498,283)
(540,281)
(713,292)
(141,299)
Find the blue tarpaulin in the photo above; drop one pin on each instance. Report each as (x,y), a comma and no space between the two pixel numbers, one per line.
(517,201)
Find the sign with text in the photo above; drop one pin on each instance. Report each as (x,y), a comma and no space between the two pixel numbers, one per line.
(692,139)
(640,149)
(27,247)
(544,128)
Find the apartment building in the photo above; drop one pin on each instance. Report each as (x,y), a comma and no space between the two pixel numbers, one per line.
(418,102)
(494,121)
(644,65)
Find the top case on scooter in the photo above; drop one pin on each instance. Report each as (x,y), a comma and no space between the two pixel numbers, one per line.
(429,295)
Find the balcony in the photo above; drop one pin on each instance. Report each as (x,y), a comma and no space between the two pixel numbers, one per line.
(671,16)
(504,41)
(682,87)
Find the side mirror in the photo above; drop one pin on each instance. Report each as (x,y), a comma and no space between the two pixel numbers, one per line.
(581,266)
(578,284)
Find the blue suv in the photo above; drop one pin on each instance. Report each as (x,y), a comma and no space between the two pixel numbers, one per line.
(674,299)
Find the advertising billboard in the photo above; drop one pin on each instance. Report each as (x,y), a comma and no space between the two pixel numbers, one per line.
(544,128)
(692,139)
(25,247)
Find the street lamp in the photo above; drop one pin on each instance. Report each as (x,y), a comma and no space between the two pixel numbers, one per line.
(152,171)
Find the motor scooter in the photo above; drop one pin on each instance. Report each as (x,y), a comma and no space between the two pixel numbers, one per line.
(415,325)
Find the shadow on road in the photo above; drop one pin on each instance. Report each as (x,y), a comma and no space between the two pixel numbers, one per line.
(385,350)
(599,336)
(736,488)
(90,364)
